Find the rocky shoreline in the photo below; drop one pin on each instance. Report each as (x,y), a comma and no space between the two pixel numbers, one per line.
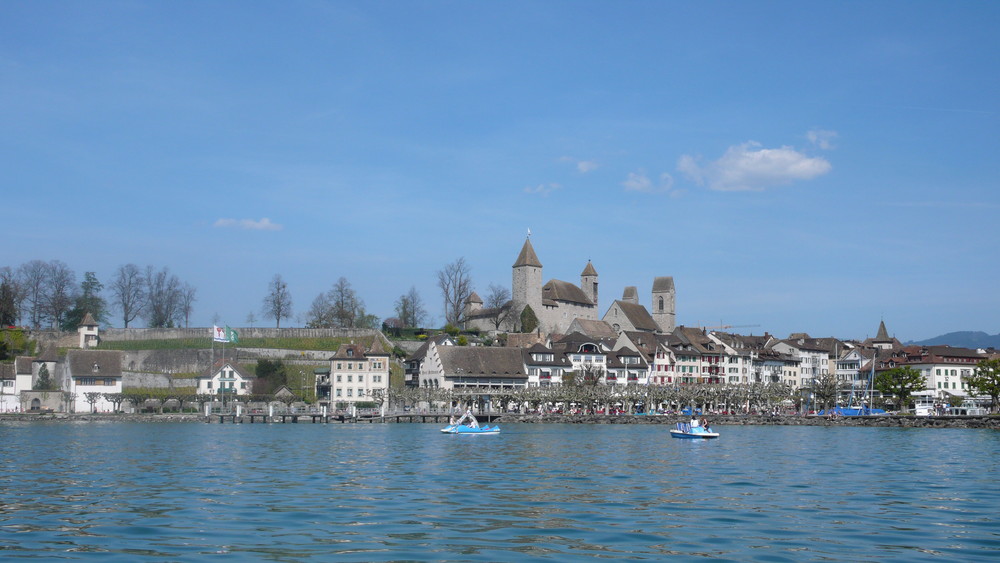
(988,422)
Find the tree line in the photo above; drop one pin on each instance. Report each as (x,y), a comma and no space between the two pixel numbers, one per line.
(41,294)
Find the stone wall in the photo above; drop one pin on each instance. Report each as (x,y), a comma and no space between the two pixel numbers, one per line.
(119,334)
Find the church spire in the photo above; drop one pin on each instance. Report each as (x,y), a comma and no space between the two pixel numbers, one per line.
(883,334)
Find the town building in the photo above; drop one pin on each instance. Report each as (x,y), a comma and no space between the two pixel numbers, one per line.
(93,374)
(226,380)
(357,375)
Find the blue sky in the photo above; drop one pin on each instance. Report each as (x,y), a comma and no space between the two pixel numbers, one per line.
(801,166)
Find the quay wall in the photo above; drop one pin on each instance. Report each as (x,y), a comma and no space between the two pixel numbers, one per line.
(980,422)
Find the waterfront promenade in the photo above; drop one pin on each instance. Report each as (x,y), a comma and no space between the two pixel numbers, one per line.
(887,421)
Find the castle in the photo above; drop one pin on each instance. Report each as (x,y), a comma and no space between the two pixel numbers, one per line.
(557,303)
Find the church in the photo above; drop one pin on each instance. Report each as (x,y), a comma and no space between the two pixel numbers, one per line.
(557,303)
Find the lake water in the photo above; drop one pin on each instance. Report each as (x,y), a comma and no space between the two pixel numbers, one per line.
(191,492)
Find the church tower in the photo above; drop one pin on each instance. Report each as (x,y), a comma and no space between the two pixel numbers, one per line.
(588,282)
(526,286)
(665,303)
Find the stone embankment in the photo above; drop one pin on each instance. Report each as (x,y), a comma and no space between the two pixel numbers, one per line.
(765,420)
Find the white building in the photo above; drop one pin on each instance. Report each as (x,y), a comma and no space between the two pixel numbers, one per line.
(93,374)
(225,380)
(356,376)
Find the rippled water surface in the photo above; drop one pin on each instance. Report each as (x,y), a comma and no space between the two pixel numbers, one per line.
(298,492)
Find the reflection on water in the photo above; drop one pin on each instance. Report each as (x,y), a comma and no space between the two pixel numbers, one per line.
(535,492)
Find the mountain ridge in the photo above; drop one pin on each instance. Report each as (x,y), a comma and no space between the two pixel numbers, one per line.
(963,339)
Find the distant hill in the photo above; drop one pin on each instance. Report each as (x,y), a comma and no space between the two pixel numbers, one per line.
(964,339)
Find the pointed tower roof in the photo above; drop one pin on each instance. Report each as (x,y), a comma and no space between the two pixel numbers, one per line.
(589,270)
(883,335)
(527,256)
(88,320)
(473,298)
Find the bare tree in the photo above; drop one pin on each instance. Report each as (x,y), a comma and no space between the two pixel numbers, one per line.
(410,309)
(128,292)
(498,304)
(277,302)
(188,297)
(251,319)
(456,286)
(32,277)
(346,305)
(60,292)
(163,294)
(320,313)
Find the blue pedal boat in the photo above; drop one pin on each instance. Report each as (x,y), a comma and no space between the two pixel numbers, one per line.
(685,431)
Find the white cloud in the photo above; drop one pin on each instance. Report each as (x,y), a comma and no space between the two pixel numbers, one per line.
(822,139)
(264,224)
(582,166)
(751,167)
(639,182)
(542,189)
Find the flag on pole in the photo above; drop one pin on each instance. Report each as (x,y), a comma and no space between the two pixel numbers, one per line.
(232,335)
(218,334)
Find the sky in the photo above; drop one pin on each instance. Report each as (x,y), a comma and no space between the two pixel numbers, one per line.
(795,166)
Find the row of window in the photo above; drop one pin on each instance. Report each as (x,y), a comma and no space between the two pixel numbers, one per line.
(231,385)
(361,378)
(95,381)
(350,392)
(375,364)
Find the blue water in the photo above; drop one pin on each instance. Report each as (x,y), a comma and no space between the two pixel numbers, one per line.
(191,492)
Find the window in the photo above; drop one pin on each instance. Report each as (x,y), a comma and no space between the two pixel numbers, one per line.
(338,392)
(660,304)
(209,384)
(350,378)
(340,365)
(350,392)
(361,379)
(339,378)
(350,365)
(8,382)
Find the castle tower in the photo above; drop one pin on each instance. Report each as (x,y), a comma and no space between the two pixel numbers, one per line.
(665,303)
(526,286)
(588,282)
(473,304)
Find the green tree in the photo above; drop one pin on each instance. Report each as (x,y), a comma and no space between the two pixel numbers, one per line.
(270,376)
(44,381)
(8,303)
(529,322)
(900,382)
(88,301)
(986,381)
